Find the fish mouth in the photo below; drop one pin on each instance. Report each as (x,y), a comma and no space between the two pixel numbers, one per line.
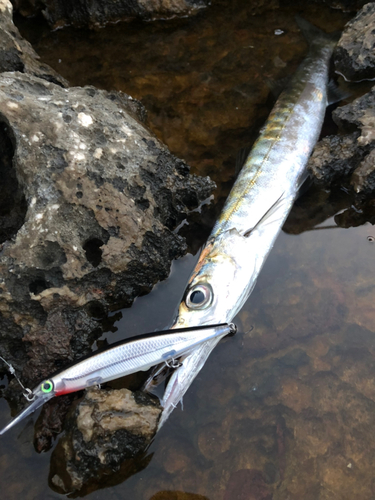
(39,401)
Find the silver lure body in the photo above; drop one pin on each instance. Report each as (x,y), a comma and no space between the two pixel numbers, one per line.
(133,356)
(122,359)
(255,210)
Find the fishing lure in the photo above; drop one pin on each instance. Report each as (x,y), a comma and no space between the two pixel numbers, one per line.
(120,359)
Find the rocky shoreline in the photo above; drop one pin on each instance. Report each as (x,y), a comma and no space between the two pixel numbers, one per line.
(90,201)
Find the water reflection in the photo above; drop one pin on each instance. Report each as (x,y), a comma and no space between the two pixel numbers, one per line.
(60,476)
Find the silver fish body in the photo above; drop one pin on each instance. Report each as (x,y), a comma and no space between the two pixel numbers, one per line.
(122,359)
(255,210)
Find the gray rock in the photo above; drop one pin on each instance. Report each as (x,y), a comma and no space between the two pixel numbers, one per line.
(363,178)
(354,56)
(16,54)
(335,157)
(96,13)
(344,5)
(103,196)
(108,431)
(359,114)
(349,155)
(89,200)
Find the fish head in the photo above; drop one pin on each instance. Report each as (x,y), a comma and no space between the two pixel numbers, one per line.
(219,283)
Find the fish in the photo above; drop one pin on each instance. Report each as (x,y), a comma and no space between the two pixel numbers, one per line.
(120,359)
(256,208)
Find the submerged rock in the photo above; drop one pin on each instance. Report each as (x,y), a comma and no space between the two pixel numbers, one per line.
(95,14)
(177,495)
(247,484)
(107,431)
(354,56)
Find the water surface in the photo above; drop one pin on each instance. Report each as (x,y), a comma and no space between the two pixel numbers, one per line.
(285,409)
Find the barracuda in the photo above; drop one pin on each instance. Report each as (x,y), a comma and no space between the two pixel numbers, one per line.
(256,208)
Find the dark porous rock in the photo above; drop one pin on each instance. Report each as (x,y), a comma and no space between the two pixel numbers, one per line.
(96,13)
(359,114)
(335,157)
(16,54)
(363,178)
(354,56)
(106,432)
(349,155)
(344,5)
(50,422)
(101,197)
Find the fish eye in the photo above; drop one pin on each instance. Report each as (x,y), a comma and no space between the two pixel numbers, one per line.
(199,297)
(47,386)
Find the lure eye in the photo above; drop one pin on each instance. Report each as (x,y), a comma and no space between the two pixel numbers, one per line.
(47,386)
(199,297)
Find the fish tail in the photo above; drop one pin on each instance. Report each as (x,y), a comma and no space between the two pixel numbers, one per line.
(315,35)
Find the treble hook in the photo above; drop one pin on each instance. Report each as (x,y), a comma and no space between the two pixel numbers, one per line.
(173,363)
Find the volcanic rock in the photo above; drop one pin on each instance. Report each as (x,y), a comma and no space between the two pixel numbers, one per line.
(16,54)
(349,155)
(89,203)
(103,196)
(94,13)
(354,56)
(107,431)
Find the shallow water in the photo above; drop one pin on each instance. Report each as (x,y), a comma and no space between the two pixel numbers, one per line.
(286,410)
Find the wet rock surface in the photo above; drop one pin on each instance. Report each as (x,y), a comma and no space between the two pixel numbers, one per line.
(354,56)
(103,196)
(94,13)
(350,154)
(345,5)
(16,54)
(335,157)
(107,432)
